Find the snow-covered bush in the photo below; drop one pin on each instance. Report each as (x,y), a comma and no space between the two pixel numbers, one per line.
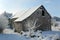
(8,16)
(33,34)
(3,22)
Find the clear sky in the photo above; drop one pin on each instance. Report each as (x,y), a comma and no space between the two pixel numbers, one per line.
(52,6)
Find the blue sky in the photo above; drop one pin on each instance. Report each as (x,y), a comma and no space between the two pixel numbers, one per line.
(52,6)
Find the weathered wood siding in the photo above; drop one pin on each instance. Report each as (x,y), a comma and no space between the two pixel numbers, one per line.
(18,26)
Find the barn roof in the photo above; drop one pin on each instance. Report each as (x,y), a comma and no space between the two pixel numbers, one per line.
(18,14)
(27,13)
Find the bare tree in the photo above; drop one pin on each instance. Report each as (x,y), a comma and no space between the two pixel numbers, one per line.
(32,25)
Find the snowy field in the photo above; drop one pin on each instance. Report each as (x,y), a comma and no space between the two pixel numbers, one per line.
(45,35)
(56,28)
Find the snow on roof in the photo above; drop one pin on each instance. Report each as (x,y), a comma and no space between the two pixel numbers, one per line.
(18,14)
(27,14)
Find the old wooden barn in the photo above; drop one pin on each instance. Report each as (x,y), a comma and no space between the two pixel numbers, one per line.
(37,18)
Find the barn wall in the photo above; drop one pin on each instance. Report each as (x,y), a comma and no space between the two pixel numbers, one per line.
(18,26)
(12,22)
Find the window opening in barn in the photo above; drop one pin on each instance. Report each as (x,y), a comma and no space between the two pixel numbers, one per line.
(43,14)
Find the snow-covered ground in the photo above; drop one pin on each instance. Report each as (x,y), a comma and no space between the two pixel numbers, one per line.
(45,35)
(56,25)
(9,31)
